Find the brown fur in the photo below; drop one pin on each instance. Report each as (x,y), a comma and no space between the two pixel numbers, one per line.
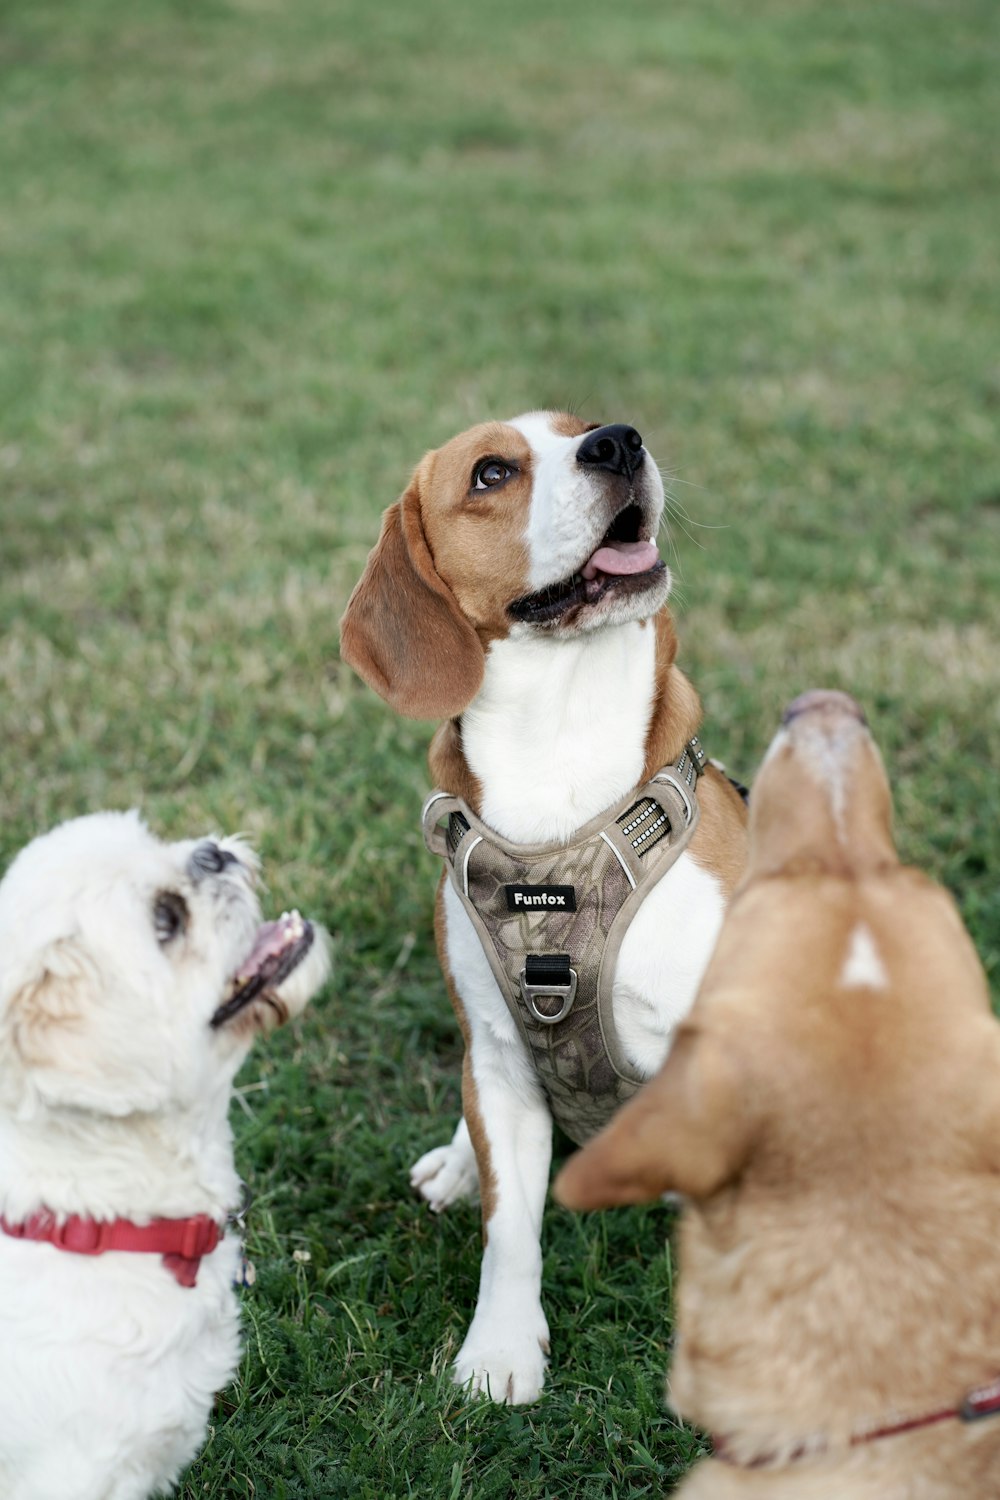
(719,842)
(435,589)
(840,1144)
(566,424)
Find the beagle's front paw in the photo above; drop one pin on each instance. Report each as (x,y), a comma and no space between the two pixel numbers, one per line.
(445,1175)
(504,1358)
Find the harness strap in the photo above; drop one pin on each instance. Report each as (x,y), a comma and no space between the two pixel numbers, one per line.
(551,920)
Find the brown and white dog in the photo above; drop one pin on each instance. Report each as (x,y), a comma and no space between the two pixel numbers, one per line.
(516,591)
(839,1291)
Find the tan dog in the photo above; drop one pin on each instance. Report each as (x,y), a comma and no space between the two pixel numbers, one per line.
(832,1110)
(516,591)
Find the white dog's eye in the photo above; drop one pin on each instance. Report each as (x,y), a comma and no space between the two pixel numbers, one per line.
(490,472)
(170,916)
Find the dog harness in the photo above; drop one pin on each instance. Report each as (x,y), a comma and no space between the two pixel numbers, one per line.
(551,921)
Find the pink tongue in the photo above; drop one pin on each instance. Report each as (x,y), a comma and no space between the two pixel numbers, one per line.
(270,939)
(622,557)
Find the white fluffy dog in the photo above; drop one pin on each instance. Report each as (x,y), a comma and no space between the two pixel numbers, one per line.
(133,978)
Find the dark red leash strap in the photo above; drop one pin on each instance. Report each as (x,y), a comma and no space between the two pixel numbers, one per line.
(181,1242)
(983,1401)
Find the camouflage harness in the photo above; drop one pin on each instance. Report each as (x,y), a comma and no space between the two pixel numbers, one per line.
(551,921)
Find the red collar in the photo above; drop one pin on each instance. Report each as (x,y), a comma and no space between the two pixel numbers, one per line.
(181,1242)
(984,1401)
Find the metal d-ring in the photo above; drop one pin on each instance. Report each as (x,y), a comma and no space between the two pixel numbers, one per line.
(564,992)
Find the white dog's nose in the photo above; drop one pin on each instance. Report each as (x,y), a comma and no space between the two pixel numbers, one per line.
(210,859)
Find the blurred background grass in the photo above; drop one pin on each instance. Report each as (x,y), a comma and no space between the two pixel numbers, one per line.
(256,257)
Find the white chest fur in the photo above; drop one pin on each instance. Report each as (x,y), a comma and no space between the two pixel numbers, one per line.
(109,1369)
(556,733)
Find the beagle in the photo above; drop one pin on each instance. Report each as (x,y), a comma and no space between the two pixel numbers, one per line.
(516,592)
(838,1315)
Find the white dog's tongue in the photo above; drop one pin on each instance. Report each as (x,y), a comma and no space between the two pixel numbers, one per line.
(622,557)
(271,941)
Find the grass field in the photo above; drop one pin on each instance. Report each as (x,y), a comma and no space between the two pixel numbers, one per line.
(255,258)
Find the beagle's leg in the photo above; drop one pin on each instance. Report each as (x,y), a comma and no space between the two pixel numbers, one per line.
(447,1174)
(505,1349)
(511,1132)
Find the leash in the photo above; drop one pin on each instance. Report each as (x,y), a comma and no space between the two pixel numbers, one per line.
(981,1402)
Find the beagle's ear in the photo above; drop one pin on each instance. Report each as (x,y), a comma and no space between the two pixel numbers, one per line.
(689,1130)
(403,630)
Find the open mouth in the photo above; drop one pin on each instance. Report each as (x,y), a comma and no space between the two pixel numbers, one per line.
(622,563)
(279,947)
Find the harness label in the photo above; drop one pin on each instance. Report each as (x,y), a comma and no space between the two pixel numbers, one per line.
(540,897)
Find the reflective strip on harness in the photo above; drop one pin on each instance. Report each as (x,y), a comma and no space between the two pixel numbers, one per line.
(555,959)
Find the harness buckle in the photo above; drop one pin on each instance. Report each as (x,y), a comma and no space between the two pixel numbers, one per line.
(548,976)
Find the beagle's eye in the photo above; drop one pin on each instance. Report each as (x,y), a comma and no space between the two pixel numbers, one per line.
(170,916)
(491,472)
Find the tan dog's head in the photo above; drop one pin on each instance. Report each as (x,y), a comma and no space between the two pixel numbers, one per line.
(133,973)
(541,524)
(843,1015)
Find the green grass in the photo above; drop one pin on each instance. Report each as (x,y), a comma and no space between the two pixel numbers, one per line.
(258,256)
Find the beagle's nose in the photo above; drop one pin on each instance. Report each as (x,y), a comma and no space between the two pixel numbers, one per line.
(617,448)
(823,700)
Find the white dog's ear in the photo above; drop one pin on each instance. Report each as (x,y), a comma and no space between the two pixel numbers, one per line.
(49,1003)
(403,630)
(59,1045)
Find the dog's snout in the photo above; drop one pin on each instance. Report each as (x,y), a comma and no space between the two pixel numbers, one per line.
(210,859)
(824,700)
(617,448)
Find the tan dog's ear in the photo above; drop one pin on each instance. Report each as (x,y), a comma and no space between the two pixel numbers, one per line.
(403,630)
(689,1130)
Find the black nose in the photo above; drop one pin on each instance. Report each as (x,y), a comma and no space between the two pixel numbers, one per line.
(617,448)
(209,859)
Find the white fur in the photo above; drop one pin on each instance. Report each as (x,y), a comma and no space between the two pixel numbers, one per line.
(826,764)
(447,1174)
(556,732)
(555,736)
(565,522)
(114,1094)
(863,965)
